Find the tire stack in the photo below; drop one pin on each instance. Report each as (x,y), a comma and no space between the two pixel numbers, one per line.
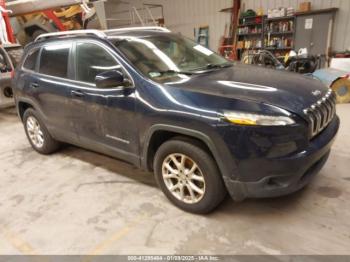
(341,87)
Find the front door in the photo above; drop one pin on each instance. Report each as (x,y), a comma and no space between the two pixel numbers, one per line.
(104,118)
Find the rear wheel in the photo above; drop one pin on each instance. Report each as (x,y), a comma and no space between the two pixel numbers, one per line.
(37,32)
(37,134)
(15,55)
(189,176)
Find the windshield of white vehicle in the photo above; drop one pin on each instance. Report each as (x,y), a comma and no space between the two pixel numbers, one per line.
(165,56)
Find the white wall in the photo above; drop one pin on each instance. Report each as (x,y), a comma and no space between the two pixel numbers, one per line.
(185,15)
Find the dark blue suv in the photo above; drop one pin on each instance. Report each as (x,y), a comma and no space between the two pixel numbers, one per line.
(204,125)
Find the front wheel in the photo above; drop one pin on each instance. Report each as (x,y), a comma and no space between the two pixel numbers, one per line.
(189,176)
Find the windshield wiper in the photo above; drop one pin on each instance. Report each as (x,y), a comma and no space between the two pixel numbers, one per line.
(210,66)
(175,72)
(192,72)
(214,66)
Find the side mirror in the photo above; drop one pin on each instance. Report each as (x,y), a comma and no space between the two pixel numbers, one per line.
(111,79)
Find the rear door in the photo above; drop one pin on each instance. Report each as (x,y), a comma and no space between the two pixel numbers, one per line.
(104,118)
(27,75)
(52,87)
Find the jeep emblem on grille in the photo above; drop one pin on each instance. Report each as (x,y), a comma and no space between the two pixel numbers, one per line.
(316,92)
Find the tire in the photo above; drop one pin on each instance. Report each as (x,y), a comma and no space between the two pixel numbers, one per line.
(48,145)
(208,178)
(341,87)
(15,55)
(37,32)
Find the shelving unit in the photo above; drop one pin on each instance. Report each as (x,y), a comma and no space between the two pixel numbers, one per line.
(279,34)
(250,34)
(282,33)
(259,32)
(279,18)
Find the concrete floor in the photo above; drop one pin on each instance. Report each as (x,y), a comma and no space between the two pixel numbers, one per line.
(79,202)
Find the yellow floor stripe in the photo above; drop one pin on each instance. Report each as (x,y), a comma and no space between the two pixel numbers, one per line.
(22,246)
(117,236)
(17,242)
(26,249)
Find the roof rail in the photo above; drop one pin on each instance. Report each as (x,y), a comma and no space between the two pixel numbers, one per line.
(154,28)
(73,32)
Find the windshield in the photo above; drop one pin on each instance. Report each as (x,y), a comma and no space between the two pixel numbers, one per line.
(167,55)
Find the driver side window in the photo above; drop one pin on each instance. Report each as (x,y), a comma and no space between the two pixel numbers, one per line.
(93,60)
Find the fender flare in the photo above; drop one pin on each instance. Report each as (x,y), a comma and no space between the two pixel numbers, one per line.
(188,132)
(31,103)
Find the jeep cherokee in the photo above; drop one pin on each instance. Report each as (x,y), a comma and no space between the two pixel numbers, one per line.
(204,125)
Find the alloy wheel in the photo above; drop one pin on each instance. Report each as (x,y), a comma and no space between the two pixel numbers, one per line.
(183,178)
(35,133)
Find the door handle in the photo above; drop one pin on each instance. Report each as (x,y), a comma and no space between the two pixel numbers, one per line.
(34,85)
(77,93)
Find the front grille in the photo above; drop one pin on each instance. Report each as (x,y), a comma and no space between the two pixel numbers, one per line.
(321,113)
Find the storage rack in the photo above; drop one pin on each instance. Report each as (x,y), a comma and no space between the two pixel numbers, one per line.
(250,34)
(285,33)
(259,39)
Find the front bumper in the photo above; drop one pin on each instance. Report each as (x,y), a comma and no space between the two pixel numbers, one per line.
(294,171)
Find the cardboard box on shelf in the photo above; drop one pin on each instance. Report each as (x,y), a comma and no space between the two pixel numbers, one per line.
(283,11)
(269,13)
(290,11)
(305,7)
(276,13)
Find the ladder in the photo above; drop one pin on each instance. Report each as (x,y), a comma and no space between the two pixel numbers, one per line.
(202,35)
(142,17)
(131,16)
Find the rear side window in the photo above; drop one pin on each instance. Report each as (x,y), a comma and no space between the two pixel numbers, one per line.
(31,59)
(54,60)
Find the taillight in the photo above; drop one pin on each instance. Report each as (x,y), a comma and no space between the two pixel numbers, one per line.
(12,74)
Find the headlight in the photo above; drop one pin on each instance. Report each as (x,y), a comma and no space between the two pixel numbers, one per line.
(249,119)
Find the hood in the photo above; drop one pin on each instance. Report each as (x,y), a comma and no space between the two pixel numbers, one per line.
(290,91)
